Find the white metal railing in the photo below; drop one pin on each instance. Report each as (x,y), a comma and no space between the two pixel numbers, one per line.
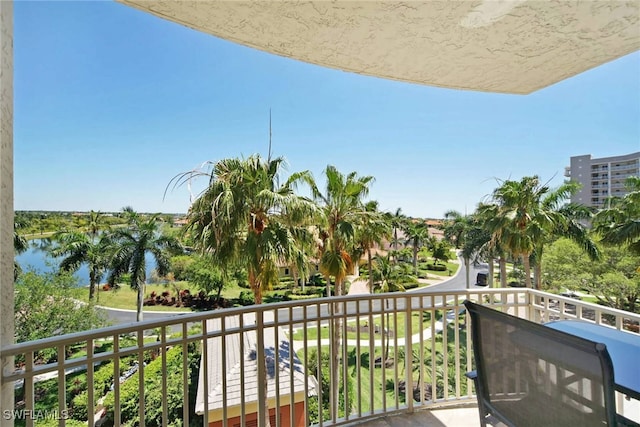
(400,352)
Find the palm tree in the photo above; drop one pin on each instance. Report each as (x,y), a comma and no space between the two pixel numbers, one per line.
(620,223)
(20,245)
(456,226)
(96,223)
(515,220)
(372,231)
(78,248)
(245,217)
(416,234)
(398,221)
(569,223)
(458,230)
(524,214)
(131,244)
(343,209)
(390,277)
(486,244)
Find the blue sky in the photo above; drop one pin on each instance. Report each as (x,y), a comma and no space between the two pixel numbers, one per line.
(111,103)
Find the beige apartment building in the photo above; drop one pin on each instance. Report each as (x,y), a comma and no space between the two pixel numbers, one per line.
(601,178)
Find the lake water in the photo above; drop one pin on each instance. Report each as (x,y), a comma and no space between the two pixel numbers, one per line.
(37,258)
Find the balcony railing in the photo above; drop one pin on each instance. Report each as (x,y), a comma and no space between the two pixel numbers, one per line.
(399,353)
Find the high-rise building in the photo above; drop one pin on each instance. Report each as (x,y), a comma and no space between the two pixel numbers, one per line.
(601,178)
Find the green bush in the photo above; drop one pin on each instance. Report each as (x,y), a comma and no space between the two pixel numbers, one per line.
(302,297)
(79,404)
(312,369)
(436,267)
(129,398)
(49,422)
(246,298)
(408,286)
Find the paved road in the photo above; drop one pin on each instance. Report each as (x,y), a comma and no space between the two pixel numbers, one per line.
(118,317)
(454,283)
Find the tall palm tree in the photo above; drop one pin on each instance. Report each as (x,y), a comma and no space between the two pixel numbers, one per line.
(455,227)
(458,229)
(489,247)
(515,219)
(398,221)
(416,234)
(524,214)
(131,244)
(246,217)
(570,220)
(77,249)
(343,209)
(372,231)
(390,277)
(620,223)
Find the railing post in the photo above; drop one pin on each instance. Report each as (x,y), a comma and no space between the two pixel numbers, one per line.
(408,358)
(6,202)
(263,416)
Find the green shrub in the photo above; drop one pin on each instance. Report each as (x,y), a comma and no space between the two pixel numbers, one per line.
(79,409)
(312,369)
(408,286)
(436,267)
(246,298)
(302,297)
(50,422)
(129,398)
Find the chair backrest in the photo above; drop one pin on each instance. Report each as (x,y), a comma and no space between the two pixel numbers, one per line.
(532,375)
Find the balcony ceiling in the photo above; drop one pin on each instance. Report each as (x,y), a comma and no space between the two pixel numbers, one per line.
(508,46)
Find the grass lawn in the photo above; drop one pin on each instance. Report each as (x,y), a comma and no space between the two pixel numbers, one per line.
(451,266)
(125,297)
(416,327)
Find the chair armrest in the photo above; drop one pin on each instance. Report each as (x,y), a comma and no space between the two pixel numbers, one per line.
(472,375)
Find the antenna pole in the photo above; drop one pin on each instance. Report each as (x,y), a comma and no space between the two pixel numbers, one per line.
(269,157)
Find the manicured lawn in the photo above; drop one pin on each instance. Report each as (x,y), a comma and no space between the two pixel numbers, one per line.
(452,268)
(416,327)
(125,297)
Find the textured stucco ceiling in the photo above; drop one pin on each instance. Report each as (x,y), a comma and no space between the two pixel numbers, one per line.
(510,46)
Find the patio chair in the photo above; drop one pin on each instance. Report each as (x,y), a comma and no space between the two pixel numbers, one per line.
(531,375)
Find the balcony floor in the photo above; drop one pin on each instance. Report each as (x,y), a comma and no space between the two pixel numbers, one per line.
(450,417)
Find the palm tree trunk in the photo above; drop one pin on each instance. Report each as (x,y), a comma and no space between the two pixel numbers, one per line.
(140,301)
(503,271)
(527,270)
(490,278)
(395,245)
(92,285)
(369,261)
(328,280)
(537,275)
(466,267)
(415,258)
